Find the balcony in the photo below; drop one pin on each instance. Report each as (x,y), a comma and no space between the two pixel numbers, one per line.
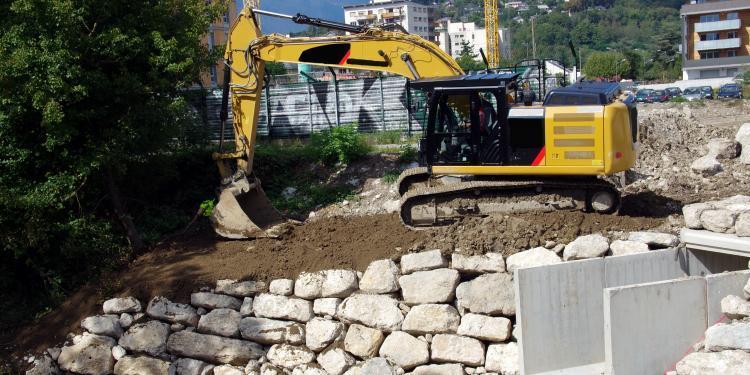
(705,27)
(706,45)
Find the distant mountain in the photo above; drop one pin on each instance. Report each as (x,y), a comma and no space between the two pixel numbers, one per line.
(327,9)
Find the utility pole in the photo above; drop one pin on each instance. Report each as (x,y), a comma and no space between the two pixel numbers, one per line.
(533,37)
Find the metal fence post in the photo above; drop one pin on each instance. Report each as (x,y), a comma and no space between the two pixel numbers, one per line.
(408,107)
(382,103)
(336,95)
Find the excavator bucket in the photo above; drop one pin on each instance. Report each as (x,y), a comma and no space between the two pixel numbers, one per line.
(244,211)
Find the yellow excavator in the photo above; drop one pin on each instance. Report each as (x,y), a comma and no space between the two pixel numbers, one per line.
(480,153)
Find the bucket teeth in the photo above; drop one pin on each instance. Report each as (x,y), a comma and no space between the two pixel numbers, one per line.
(244,211)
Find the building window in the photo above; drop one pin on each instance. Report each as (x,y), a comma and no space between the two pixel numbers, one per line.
(211,41)
(713,73)
(732,16)
(732,34)
(732,72)
(709,18)
(225,18)
(212,71)
(710,36)
(709,55)
(731,53)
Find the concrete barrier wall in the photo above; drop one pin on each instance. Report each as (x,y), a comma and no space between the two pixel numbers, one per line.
(719,286)
(649,327)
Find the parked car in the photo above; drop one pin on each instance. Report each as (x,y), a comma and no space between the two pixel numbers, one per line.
(693,93)
(674,92)
(708,92)
(642,95)
(658,96)
(729,90)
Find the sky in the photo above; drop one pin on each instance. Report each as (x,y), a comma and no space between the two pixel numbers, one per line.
(326,9)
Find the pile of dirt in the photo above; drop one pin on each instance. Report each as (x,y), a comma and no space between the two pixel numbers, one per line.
(672,136)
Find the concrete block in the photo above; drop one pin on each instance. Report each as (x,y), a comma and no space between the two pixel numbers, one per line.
(719,286)
(648,267)
(571,293)
(707,262)
(649,327)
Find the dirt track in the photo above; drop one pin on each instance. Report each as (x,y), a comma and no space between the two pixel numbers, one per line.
(671,140)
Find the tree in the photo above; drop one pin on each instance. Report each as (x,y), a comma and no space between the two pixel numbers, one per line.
(467,59)
(275,68)
(88,87)
(606,65)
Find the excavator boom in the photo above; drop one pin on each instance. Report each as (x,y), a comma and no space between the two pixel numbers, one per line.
(243,210)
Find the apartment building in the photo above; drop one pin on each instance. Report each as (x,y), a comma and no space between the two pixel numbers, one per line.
(452,36)
(416,17)
(715,38)
(216,37)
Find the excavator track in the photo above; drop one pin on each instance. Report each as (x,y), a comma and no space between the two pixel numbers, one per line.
(427,206)
(410,177)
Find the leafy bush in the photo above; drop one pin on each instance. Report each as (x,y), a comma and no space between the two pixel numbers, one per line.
(407,154)
(677,99)
(391,176)
(342,144)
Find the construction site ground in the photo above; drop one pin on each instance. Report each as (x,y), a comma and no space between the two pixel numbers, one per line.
(352,233)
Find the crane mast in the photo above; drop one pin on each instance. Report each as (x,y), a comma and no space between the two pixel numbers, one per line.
(491,13)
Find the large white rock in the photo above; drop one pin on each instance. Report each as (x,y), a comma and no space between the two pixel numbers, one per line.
(483,327)
(362,341)
(742,225)
(380,277)
(282,287)
(270,331)
(655,239)
(503,359)
(538,256)
(214,301)
(335,361)
(221,322)
(189,366)
(735,307)
(692,214)
(90,354)
(729,362)
(444,369)
(374,366)
(728,337)
(105,325)
(619,247)
(706,166)
(326,306)
(431,318)
(164,309)
(746,290)
(584,247)
(723,148)
(319,333)
(372,310)
(148,338)
(743,137)
(141,365)
(435,286)
(240,288)
(289,356)
(309,285)
(458,349)
(44,365)
(491,294)
(424,261)
(405,350)
(489,262)
(309,369)
(121,305)
(339,283)
(718,220)
(228,370)
(213,349)
(280,307)
(247,306)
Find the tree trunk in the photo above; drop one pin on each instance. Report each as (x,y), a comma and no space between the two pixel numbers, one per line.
(134,238)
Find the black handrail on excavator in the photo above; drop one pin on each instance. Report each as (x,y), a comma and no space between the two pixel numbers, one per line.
(305,20)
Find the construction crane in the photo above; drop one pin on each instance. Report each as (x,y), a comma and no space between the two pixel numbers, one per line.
(491,14)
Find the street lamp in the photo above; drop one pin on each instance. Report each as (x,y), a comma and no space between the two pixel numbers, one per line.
(617,67)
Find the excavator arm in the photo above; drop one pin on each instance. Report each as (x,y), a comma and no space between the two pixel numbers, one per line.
(243,210)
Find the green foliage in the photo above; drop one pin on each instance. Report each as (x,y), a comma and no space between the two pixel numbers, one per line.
(207,207)
(391,176)
(89,86)
(468,59)
(407,154)
(341,144)
(677,99)
(275,68)
(606,65)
